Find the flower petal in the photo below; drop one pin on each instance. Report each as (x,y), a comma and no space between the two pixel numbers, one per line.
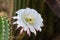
(15,22)
(32,29)
(21,23)
(18,26)
(41,25)
(28,32)
(15,17)
(25,28)
(37,27)
(21,11)
(21,31)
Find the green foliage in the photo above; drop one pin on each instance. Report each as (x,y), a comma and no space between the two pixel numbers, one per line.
(4,28)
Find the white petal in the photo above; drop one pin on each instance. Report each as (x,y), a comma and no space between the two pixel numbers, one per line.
(25,28)
(18,26)
(21,11)
(15,17)
(28,11)
(20,22)
(42,24)
(27,8)
(37,27)
(34,10)
(39,22)
(14,22)
(35,13)
(32,29)
(28,32)
(21,31)
(40,30)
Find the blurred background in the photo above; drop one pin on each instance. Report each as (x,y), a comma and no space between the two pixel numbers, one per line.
(50,11)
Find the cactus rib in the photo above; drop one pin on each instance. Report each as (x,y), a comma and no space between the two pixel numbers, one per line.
(4,28)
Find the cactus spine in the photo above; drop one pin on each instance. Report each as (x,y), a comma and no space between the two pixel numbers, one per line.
(4,28)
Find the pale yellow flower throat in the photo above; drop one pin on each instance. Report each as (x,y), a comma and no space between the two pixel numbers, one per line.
(29,18)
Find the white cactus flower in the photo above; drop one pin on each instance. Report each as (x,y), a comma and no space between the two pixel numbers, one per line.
(29,20)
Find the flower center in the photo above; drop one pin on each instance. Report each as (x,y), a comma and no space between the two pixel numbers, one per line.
(29,18)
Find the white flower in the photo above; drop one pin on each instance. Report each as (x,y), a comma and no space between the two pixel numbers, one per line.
(29,20)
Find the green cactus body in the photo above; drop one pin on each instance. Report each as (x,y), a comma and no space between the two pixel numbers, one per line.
(4,28)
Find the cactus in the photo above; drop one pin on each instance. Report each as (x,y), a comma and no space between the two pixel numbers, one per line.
(4,28)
